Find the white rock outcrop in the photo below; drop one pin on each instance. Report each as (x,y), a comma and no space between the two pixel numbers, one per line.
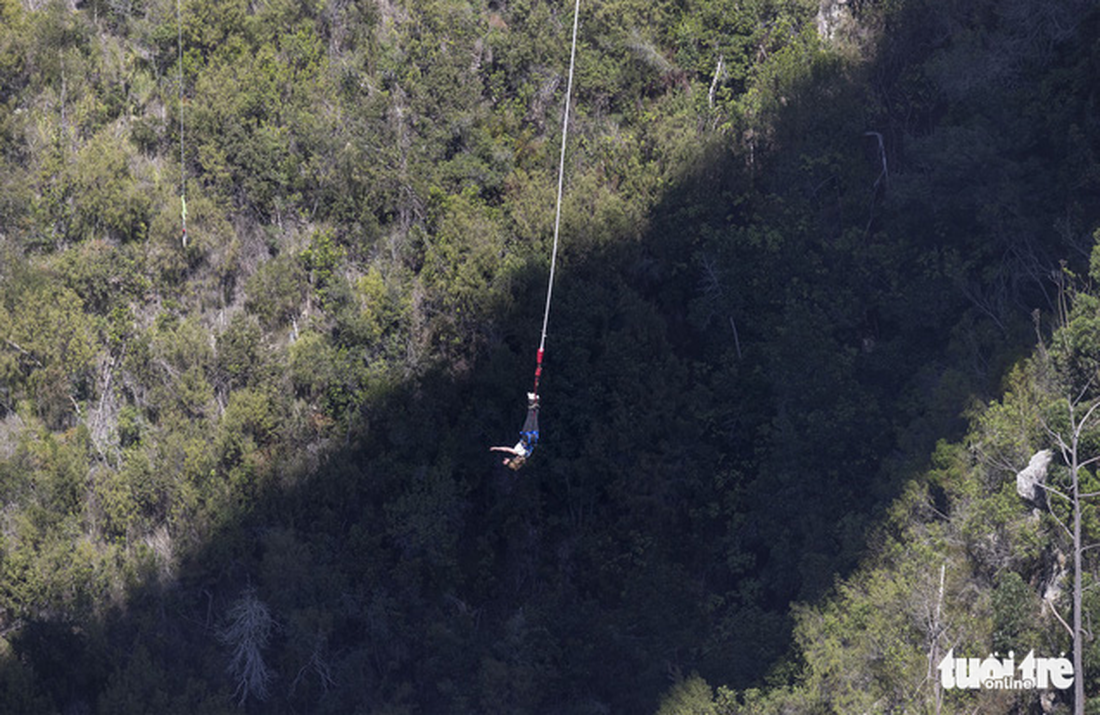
(1030,479)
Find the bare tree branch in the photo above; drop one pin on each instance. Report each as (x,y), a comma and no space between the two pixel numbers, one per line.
(1057,615)
(719,72)
(23,351)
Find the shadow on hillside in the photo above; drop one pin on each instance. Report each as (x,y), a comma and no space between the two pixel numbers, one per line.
(729,404)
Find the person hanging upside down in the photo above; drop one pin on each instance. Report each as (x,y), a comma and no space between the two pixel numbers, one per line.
(529,436)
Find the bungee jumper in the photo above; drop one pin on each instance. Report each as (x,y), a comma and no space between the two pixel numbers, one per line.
(529,435)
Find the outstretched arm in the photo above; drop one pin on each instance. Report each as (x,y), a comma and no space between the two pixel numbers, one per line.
(509,450)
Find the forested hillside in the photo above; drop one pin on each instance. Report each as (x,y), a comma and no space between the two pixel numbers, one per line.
(807,249)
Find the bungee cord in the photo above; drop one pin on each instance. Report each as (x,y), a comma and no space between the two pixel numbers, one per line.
(183,166)
(557,209)
(529,434)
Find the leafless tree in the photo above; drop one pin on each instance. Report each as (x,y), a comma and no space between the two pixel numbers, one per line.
(247,631)
(1081,414)
(936,627)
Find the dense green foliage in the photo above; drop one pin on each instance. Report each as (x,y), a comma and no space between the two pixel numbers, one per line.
(249,470)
